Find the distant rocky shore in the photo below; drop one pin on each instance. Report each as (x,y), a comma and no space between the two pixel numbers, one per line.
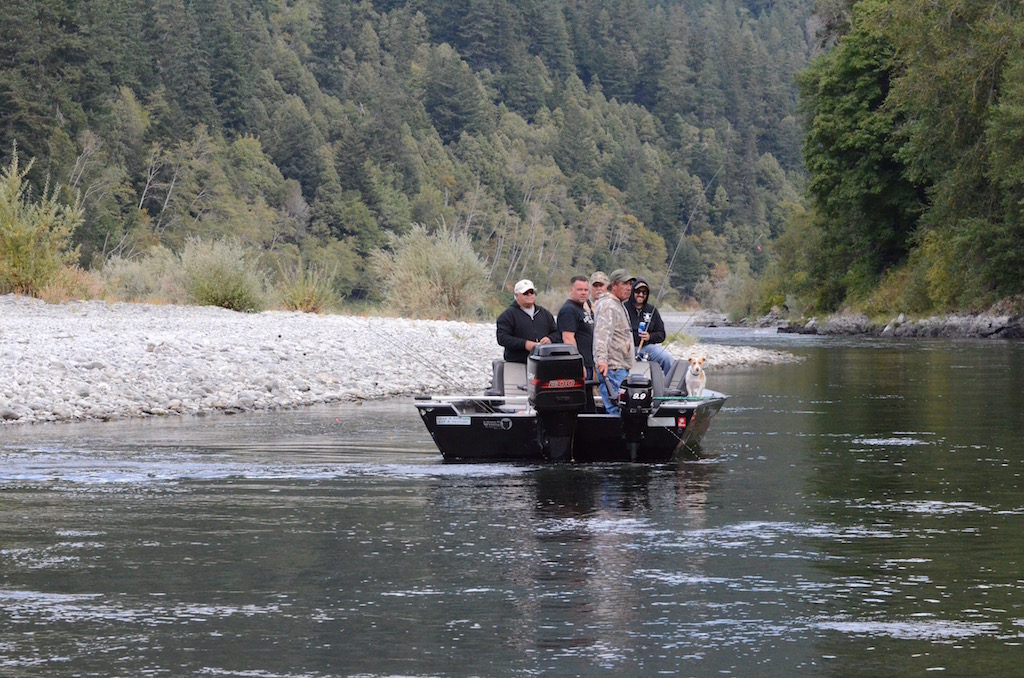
(1002,321)
(946,327)
(96,360)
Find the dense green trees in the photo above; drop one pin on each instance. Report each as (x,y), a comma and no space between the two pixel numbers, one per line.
(868,207)
(914,143)
(554,136)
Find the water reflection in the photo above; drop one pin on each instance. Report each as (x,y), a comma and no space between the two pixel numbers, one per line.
(857,514)
(585,594)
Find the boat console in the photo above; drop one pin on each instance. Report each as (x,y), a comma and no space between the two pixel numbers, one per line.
(556,390)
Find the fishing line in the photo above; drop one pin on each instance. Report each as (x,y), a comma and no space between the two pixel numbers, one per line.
(431,367)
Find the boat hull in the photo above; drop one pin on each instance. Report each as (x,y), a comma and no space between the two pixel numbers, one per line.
(464,430)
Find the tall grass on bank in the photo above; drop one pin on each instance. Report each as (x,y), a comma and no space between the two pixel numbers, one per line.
(435,275)
(157,277)
(207,273)
(69,283)
(307,288)
(35,235)
(222,273)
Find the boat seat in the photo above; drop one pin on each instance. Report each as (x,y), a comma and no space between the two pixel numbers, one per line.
(675,382)
(654,372)
(507,379)
(515,379)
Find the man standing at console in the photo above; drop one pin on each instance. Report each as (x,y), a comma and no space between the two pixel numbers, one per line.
(613,338)
(576,322)
(524,324)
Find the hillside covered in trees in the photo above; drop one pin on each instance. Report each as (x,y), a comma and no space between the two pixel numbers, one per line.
(747,153)
(915,157)
(557,136)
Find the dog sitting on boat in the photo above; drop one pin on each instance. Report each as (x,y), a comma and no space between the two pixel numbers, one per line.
(695,377)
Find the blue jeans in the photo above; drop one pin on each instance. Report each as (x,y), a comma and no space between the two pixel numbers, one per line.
(655,353)
(614,379)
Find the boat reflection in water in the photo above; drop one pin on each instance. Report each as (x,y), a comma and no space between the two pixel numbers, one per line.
(593,546)
(545,411)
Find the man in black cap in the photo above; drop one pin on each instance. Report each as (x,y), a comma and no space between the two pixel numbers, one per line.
(648,327)
(613,338)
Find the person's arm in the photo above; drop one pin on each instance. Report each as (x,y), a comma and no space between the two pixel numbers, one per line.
(566,323)
(505,332)
(603,326)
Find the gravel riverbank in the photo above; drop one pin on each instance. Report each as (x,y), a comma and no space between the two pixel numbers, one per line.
(96,360)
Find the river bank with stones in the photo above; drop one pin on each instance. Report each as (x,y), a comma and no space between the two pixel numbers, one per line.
(96,360)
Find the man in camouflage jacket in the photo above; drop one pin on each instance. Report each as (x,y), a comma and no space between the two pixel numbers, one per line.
(613,338)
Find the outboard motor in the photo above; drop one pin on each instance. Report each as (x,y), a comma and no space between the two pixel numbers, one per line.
(636,402)
(555,388)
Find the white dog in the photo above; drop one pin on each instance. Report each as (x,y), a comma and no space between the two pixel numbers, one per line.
(695,377)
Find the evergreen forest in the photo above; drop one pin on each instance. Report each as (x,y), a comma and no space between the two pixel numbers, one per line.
(740,153)
(558,136)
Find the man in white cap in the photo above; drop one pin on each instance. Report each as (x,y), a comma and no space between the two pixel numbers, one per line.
(613,338)
(524,325)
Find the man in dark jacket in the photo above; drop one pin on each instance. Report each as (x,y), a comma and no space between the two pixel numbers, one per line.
(648,339)
(524,324)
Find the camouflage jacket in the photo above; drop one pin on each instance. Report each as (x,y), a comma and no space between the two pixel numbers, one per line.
(613,334)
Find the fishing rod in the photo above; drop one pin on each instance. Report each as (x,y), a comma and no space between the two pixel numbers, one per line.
(431,367)
(682,235)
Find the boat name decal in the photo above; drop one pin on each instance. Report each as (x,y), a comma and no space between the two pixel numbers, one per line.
(453,421)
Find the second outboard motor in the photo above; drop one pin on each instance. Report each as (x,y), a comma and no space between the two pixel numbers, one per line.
(554,383)
(636,402)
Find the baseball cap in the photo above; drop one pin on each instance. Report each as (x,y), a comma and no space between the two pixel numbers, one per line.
(621,275)
(599,276)
(524,285)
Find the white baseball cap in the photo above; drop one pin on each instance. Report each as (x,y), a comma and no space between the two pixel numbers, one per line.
(524,285)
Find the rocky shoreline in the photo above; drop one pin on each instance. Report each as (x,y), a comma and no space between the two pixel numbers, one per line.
(1004,320)
(984,326)
(96,360)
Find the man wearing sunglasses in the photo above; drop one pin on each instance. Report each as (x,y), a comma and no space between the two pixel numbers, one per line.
(648,327)
(524,325)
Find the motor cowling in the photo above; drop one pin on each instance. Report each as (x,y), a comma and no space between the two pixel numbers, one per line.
(636,402)
(555,389)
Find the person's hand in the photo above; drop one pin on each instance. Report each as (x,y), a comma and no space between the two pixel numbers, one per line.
(645,335)
(545,340)
(603,369)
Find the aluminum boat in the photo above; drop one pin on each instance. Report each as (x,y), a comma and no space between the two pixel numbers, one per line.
(544,410)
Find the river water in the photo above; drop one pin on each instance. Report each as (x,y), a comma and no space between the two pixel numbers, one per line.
(858,513)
